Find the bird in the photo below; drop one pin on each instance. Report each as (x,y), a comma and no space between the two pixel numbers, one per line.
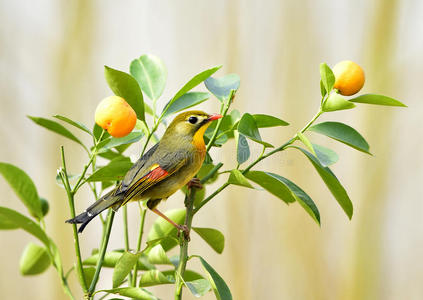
(161,171)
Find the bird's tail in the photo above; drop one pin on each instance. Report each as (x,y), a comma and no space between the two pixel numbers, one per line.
(108,200)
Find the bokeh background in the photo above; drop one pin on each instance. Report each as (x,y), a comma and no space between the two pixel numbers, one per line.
(51,62)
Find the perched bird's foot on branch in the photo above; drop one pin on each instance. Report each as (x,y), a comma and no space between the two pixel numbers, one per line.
(195,183)
(185,230)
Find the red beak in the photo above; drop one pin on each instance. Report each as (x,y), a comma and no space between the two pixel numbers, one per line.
(213,117)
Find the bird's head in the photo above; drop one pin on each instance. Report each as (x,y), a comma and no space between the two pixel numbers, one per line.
(191,125)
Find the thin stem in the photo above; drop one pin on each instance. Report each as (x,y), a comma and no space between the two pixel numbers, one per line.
(141,231)
(104,243)
(66,288)
(202,203)
(125,225)
(65,180)
(104,296)
(211,173)
(311,121)
(224,109)
(79,183)
(183,244)
(146,143)
(125,233)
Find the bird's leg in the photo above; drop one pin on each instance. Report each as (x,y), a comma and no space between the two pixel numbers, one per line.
(182,228)
(195,183)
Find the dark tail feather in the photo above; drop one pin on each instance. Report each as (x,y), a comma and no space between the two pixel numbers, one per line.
(97,207)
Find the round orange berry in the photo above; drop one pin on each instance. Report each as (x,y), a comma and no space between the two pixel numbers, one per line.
(349,77)
(116,116)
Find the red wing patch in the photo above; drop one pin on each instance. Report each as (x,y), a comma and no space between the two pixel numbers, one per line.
(156,173)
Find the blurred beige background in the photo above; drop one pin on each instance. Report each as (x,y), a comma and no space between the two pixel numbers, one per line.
(51,62)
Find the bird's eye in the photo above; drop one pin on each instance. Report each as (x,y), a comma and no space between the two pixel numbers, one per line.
(193,120)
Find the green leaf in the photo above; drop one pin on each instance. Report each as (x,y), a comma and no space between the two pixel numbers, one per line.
(271,183)
(213,237)
(151,74)
(34,260)
(123,266)
(325,155)
(125,86)
(302,198)
(198,287)
(20,221)
(162,228)
(111,258)
(237,178)
(242,148)
(331,182)
(263,121)
(219,286)
(328,79)
(322,89)
(55,127)
(148,109)
(222,137)
(187,100)
(132,292)
(336,102)
(115,170)
(248,127)
(342,133)
(155,277)
(222,87)
(157,256)
(110,154)
(113,142)
(7,225)
(189,275)
(205,170)
(23,187)
(227,125)
(196,80)
(89,275)
(378,100)
(78,125)
(97,131)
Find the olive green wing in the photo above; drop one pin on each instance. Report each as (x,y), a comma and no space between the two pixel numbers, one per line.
(154,171)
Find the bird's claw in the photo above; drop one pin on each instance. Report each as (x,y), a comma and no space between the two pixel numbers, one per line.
(185,230)
(195,183)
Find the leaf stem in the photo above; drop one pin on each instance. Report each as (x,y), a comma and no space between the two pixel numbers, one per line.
(102,253)
(183,244)
(64,177)
(80,181)
(141,231)
(205,201)
(224,109)
(125,233)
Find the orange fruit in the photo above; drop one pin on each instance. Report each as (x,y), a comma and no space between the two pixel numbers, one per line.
(349,77)
(116,116)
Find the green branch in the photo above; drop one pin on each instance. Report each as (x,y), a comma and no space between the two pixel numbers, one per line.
(64,177)
(105,241)
(183,244)
(141,231)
